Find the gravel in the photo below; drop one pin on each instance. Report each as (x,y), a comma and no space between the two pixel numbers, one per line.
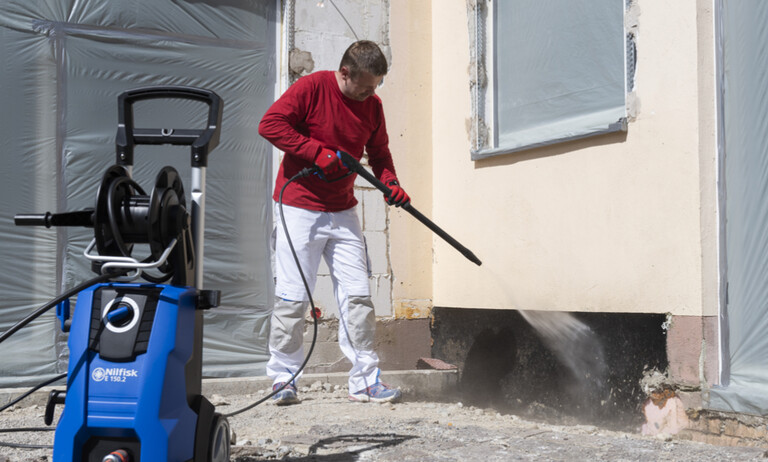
(327,427)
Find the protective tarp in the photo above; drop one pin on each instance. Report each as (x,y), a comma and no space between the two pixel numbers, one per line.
(64,65)
(744,89)
(559,71)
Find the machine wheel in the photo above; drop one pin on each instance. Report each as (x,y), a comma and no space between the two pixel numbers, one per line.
(218,450)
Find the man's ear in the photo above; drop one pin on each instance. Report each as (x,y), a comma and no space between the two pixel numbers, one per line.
(345,73)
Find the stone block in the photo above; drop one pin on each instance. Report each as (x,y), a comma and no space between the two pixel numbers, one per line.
(400,343)
(327,357)
(711,350)
(753,433)
(327,331)
(366,19)
(374,211)
(714,426)
(699,425)
(376,241)
(690,399)
(381,292)
(731,427)
(361,184)
(684,339)
(730,441)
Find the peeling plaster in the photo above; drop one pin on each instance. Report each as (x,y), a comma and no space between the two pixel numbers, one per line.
(665,414)
(633,106)
(413,309)
(632,17)
(300,62)
(477,129)
(631,28)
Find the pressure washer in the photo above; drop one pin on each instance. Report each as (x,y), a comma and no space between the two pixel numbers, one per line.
(135,368)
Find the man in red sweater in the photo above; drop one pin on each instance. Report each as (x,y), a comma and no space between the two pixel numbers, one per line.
(322,113)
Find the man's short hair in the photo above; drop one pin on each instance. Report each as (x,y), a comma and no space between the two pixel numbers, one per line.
(364,56)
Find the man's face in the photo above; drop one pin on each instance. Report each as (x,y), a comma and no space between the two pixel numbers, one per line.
(360,87)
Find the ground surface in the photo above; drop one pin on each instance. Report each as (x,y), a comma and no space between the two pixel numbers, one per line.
(327,427)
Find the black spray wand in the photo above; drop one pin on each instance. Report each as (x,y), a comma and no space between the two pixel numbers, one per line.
(352,164)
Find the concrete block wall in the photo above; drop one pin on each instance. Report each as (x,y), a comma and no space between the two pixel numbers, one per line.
(322,30)
(325,28)
(373,216)
(726,429)
(399,343)
(692,350)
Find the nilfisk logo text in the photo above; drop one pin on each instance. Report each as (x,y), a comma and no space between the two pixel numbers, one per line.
(113,374)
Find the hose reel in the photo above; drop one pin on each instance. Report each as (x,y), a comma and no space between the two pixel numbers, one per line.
(125,215)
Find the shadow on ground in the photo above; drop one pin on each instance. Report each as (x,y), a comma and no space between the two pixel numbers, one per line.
(341,448)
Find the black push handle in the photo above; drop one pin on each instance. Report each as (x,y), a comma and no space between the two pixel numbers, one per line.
(82,218)
(352,164)
(202,141)
(33,219)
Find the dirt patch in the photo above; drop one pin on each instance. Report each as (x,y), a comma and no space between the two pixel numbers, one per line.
(327,427)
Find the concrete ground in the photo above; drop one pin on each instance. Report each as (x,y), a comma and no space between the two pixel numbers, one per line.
(428,425)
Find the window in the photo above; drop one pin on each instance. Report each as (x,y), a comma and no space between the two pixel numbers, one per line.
(548,72)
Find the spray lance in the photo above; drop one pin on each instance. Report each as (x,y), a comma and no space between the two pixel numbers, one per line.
(353,165)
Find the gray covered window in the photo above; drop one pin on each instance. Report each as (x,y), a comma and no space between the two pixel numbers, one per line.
(548,72)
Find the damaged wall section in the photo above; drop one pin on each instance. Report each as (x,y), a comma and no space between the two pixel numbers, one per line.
(507,364)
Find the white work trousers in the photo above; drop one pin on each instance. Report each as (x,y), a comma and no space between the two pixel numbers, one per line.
(338,238)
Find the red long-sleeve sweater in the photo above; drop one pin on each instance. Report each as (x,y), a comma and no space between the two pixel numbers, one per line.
(314,114)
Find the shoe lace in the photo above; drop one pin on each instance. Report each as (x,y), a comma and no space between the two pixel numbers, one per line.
(378,387)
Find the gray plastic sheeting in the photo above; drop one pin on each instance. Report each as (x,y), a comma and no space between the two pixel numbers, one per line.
(64,65)
(744,133)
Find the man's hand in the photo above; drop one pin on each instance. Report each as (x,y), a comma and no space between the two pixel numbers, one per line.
(329,163)
(398,197)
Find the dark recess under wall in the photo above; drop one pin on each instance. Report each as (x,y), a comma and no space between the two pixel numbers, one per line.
(504,364)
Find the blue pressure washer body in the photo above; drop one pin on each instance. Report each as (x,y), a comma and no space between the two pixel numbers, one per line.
(134,381)
(135,368)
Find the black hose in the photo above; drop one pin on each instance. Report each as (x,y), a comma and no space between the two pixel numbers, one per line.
(303,173)
(32,390)
(26,446)
(28,429)
(56,301)
(21,324)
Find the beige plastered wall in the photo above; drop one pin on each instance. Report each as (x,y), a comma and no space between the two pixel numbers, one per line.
(407,96)
(617,223)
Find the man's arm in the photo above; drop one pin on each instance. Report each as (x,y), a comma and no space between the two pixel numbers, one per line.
(279,124)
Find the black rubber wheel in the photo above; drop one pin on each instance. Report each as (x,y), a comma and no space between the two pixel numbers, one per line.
(218,450)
